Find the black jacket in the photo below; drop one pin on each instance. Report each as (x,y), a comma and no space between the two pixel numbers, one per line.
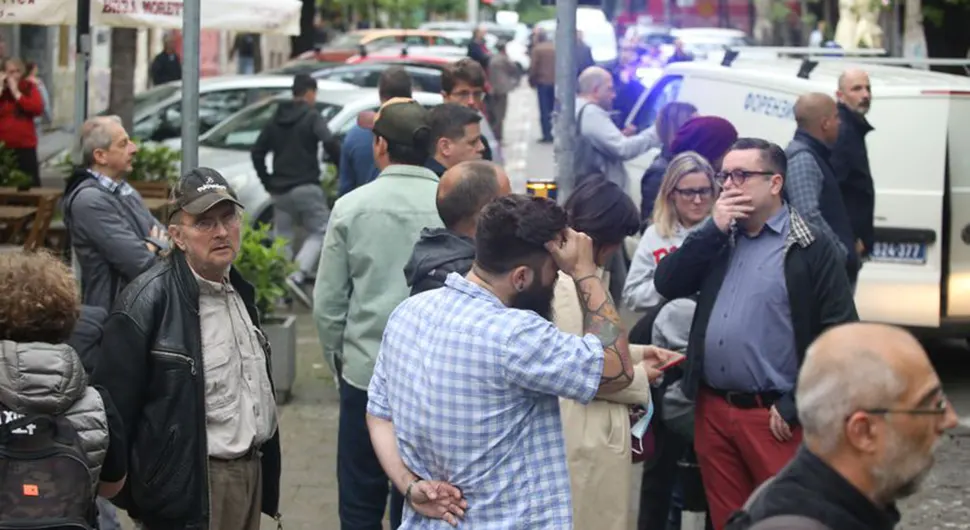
(293,135)
(830,203)
(807,486)
(438,252)
(152,367)
(650,183)
(165,68)
(818,291)
(850,162)
(86,337)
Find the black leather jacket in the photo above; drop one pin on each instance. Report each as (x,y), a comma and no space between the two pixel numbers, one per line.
(152,368)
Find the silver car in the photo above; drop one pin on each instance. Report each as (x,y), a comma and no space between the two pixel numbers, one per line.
(226,146)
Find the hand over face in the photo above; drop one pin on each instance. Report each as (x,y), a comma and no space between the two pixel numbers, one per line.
(438,500)
(732,205)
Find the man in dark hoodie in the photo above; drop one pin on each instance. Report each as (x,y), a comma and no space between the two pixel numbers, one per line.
(869,441)
(462,193)
(294,136)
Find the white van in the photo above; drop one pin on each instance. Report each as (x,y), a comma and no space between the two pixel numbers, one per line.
(919,274)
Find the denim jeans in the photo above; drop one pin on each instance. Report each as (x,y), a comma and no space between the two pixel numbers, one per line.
(362,483)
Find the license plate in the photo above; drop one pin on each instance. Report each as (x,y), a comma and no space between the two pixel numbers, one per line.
(907,253)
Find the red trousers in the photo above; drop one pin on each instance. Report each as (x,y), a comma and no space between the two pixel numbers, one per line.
(736,452)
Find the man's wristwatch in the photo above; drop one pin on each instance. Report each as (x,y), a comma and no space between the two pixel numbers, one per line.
(407,492)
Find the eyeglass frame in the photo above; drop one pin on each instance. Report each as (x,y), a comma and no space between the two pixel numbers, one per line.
(691,194)
(230,221)
(474,95)
(938,409)
(721,177)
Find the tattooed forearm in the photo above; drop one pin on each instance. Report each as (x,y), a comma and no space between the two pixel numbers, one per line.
(600,318)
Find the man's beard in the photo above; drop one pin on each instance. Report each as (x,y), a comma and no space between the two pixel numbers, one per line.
(903,469)
(536,297)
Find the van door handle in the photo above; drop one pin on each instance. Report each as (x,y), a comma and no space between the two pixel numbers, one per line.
(965,234)
(905,235)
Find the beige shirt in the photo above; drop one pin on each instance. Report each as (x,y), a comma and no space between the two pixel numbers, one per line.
(239,402)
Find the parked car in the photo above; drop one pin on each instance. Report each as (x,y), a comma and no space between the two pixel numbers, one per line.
(349,44)
(226,146)
(461,32)
(158,111)
(433,55)
(300,66)
(367,74)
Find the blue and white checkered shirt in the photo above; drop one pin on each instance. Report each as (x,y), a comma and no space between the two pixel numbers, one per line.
(472,388)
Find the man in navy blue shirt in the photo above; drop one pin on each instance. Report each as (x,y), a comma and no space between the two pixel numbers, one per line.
(357,165)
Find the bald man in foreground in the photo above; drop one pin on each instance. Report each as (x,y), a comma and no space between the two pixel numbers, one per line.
(850,157)
(869,439)
(462,193)
(602,148)
(811,186)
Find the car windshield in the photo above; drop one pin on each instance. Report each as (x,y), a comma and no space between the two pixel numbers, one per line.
(154,96)
(239,133)
(347,40)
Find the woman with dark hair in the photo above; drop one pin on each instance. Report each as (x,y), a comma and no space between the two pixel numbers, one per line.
(20,103)
(670,119)
(597,435)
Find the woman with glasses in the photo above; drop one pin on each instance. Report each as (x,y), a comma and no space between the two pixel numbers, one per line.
(685,198)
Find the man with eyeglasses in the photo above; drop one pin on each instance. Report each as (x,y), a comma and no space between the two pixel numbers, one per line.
(463,83)
(767,287)
(869,441)
(188,366)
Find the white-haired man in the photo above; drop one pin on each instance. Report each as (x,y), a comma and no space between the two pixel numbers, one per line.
(114,235)
(601,146)
(868,441)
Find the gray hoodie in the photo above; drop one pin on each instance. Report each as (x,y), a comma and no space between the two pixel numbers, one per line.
(439,252)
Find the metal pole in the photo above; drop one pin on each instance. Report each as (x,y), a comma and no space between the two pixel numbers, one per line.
(191,22)
(565,95)
(82,60)
(472,12)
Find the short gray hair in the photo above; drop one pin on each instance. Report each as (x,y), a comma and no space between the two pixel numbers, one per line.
(96,135)
(831,390)
(592,79)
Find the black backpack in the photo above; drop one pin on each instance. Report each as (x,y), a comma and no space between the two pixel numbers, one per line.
(45,477)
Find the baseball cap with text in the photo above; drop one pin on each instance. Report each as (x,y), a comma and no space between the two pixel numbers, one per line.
(200,189)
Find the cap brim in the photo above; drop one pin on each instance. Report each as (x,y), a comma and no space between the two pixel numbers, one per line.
(206,202)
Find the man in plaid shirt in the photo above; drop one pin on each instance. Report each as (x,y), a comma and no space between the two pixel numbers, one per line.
(467,381)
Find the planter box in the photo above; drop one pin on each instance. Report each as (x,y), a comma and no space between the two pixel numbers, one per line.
(281,333)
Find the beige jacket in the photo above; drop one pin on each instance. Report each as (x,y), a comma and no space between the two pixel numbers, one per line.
(598,435)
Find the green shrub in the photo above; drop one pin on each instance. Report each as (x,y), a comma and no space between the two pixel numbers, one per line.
(264,265)
(152,163)
(10,175)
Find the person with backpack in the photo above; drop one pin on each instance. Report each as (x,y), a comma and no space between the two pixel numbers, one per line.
(62,442)
(114,235)
(600,146)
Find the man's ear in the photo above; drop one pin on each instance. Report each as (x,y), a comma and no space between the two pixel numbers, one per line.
(522,277)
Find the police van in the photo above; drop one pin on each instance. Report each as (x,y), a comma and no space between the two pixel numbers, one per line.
(919,152)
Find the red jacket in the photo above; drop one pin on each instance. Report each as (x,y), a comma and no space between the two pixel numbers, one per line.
(17,128)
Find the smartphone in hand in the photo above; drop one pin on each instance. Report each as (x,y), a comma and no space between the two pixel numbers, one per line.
(674,360)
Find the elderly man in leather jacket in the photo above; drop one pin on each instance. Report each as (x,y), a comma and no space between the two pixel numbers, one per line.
(189,368)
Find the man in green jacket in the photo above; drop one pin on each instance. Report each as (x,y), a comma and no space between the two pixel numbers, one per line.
(359,283)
